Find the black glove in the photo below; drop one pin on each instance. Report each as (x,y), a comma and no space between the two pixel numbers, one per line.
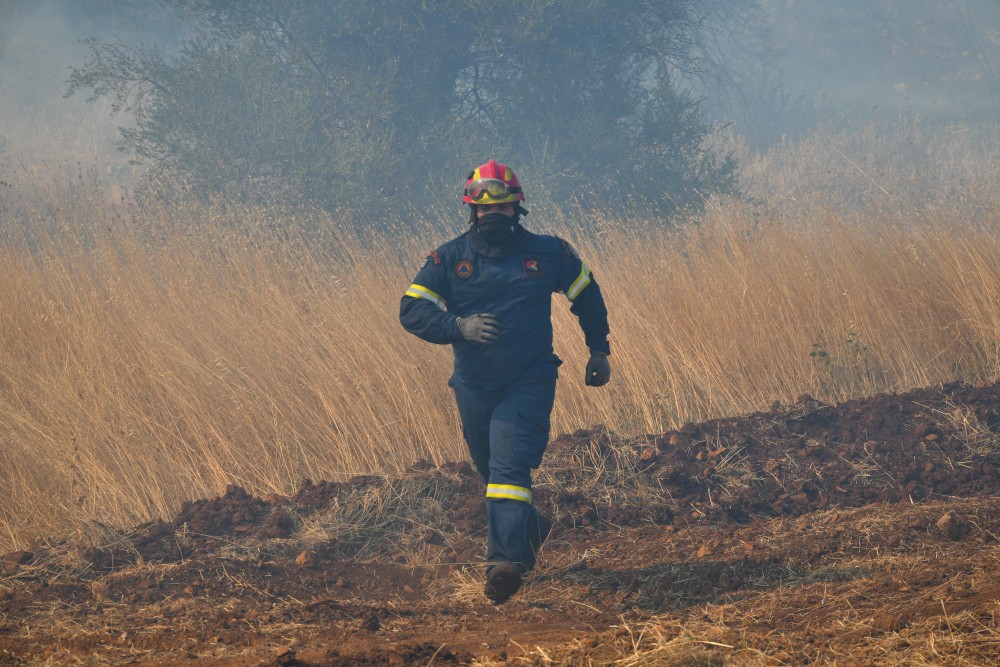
(479,328)
(598,370)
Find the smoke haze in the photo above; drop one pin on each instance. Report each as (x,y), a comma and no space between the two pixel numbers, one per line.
(799,64)
(40,129)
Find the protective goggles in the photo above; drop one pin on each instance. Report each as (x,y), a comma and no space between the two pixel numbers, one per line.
(493,188)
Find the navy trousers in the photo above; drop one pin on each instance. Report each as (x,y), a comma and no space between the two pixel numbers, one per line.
(507,430)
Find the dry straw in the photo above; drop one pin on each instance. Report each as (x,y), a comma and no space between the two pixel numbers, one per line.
(155,354)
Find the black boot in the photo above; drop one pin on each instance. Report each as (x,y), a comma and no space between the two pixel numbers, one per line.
(502,581)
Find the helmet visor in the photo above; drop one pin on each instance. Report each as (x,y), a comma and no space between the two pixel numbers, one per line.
(491,188)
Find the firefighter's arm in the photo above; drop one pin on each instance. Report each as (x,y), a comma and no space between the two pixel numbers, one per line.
(423,310)
(589,308)
(584,293)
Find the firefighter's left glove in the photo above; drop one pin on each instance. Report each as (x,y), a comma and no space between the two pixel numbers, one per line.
(479,328)
(598,370)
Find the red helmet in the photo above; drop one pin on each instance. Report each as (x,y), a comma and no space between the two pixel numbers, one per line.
(492,183)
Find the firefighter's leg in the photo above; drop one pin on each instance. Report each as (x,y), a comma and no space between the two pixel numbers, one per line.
(519,433)
(536,533)
(475,409)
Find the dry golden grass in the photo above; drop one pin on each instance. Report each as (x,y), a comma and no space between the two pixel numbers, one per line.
(155,354)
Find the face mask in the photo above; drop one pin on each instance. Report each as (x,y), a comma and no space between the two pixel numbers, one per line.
(496,227)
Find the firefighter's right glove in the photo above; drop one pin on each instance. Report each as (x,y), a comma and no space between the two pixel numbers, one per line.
(479,328)
(598,370)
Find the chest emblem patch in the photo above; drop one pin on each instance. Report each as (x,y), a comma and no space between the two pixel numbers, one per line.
(532,267)
(463,269)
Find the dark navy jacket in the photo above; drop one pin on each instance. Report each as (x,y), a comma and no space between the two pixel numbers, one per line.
(515,283)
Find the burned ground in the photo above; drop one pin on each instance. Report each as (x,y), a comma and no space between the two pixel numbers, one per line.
(860,533)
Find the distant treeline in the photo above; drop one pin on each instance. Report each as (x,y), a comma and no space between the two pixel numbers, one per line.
(384,105)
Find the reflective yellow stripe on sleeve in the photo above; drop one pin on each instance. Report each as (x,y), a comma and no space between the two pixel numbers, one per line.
(509,492)
(581,281)
(421,292)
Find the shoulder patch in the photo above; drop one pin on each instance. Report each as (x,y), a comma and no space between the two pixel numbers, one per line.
(434,256)
(568,249)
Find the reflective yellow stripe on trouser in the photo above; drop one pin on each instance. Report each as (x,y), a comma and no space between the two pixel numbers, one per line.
(509,492)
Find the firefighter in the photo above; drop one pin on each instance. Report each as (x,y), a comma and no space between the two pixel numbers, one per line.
(488,293)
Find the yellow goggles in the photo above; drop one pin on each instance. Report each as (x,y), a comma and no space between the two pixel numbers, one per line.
(489,187)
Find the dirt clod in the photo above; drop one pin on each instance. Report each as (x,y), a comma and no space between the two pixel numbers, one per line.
(101,591)
(953,525)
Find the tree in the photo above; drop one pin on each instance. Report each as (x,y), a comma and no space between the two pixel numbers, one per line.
(350,104)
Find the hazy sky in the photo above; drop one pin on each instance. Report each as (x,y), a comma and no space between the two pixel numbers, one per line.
(910,56)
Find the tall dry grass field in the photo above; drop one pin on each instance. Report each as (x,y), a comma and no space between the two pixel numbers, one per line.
(155,354)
